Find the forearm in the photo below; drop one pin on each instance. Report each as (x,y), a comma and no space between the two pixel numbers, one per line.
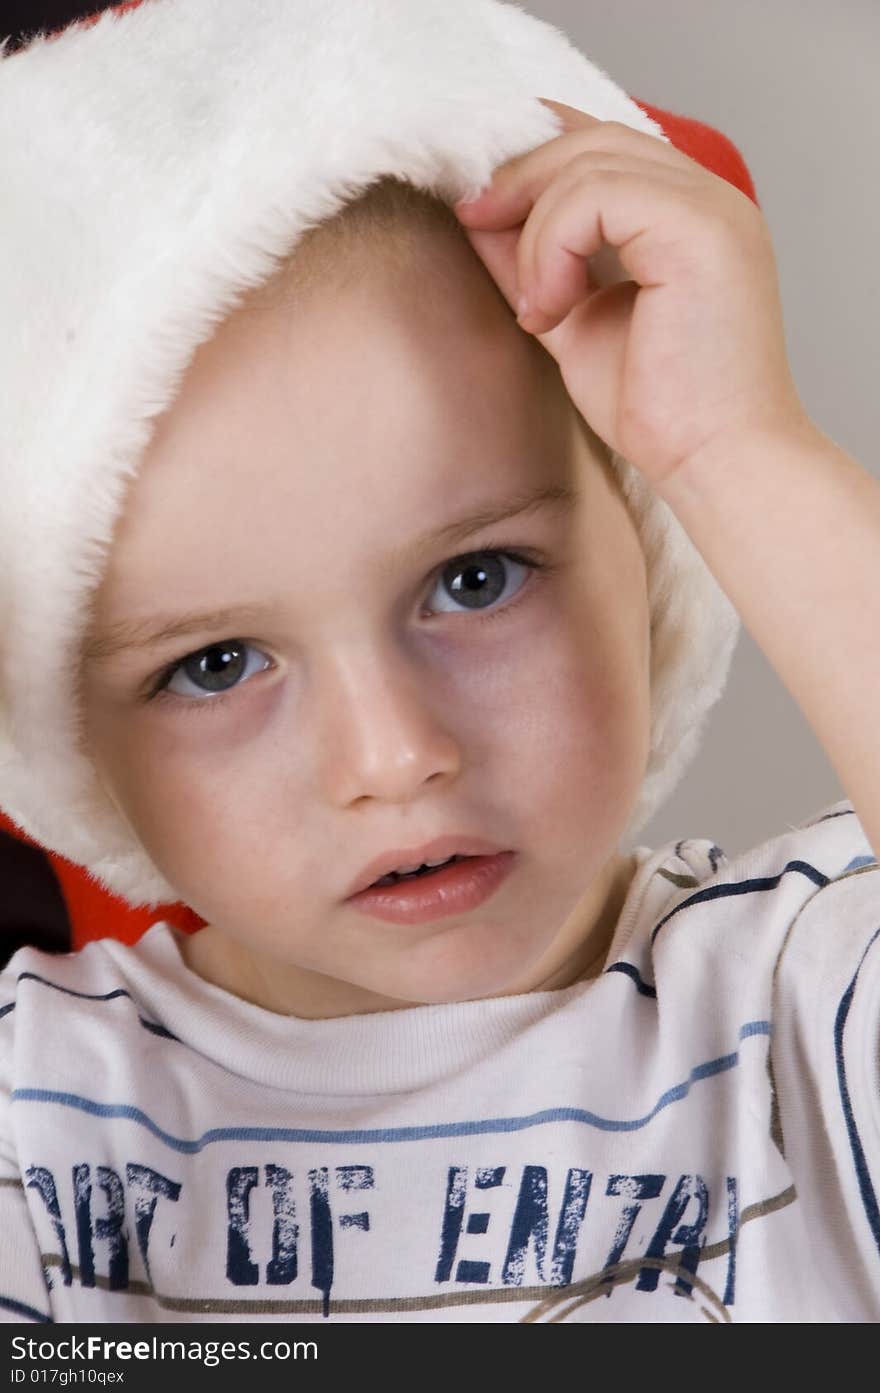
(789,524)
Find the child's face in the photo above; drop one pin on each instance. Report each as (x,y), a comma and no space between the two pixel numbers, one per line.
(309,452)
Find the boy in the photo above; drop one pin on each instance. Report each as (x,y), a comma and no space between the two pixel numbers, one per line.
(550,1078)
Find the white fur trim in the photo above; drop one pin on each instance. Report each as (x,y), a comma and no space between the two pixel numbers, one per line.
(157,165)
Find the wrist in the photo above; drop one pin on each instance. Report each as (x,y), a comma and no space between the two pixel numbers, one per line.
(718,464)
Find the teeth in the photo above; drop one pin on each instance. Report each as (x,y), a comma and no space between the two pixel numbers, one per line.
(407,870)
(392,876)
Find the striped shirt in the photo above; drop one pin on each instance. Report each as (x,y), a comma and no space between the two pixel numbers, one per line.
(692,1135)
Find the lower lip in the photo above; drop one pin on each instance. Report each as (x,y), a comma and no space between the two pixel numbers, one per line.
(455,889)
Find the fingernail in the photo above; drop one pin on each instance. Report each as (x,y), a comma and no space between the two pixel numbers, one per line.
(522,306)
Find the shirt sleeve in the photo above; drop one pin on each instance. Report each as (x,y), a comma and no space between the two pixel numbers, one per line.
(825,1053)
(24,1293)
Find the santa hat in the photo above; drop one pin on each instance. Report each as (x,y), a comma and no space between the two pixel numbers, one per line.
(161,159)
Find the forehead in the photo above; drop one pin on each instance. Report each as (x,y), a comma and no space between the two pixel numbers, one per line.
(352,415)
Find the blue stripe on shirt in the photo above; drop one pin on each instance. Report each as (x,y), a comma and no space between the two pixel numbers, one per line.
(433,1131)
(858,861)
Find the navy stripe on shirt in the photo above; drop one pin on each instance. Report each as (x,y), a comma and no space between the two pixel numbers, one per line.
(744,887)
(866,1187)
(8,1303)
(153,1026)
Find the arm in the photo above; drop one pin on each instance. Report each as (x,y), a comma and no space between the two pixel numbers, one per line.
(789,524)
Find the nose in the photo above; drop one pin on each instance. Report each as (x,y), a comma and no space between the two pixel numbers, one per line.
(380,732)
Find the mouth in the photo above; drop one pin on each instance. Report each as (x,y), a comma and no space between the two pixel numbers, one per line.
(425,861)
(394,877)
(459,884)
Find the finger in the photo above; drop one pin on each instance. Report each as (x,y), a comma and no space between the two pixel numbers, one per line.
(497,251)
(571,116)
(574,219)
(594,339)
(597,202)
(515,185)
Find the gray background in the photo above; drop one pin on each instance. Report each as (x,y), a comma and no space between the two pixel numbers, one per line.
(793,83)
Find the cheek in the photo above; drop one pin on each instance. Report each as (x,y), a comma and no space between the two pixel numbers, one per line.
(201,805)
(571,722)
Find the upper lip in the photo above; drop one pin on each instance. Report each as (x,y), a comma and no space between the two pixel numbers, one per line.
(439,849)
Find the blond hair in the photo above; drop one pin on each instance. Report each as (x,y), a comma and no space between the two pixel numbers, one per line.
(390,217)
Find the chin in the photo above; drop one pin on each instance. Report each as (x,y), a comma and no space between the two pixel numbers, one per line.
(470,976)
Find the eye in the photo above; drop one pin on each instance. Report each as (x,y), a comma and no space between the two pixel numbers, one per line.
(211,671)
(480,578)
(474,581)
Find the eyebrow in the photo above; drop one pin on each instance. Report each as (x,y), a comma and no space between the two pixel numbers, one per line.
(158,629)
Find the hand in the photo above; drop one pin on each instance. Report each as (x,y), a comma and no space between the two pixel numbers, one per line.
(689,351)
